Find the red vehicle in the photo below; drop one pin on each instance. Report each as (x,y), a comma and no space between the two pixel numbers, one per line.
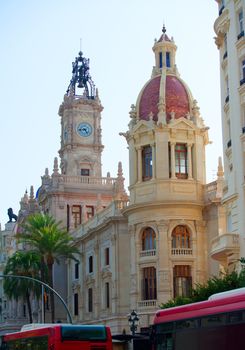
(215,324)
(59,337)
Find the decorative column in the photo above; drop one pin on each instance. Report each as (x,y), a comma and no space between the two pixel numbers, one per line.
(173,160)
(164,276)
(189,159)
(153,147)
(115,275)
(201,252)
(139,159)
(133,269)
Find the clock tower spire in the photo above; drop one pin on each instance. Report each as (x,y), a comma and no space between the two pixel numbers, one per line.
(80,113)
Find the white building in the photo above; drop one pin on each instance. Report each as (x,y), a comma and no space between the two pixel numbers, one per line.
(229,28)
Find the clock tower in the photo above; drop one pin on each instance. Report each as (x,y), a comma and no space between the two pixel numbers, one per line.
(77,191)
(80,114)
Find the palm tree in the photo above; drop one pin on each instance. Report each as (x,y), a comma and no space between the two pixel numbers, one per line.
(46,237)
(22,263)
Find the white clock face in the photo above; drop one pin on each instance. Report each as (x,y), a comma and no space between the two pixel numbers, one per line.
(84,129)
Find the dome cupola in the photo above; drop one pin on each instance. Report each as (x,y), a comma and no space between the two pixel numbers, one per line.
(165,96)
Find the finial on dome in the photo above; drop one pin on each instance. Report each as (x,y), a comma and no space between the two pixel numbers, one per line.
(164,28)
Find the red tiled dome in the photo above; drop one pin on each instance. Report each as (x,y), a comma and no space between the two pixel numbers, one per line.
(176,98)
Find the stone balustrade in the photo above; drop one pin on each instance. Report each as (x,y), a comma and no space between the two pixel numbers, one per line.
(147,304)
(181,251)
(147,253)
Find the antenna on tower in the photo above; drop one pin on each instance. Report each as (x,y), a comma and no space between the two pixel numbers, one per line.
(80,44)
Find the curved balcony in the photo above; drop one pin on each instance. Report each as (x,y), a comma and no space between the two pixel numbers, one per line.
(224,246)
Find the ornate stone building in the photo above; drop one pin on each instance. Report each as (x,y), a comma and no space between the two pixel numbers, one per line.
(138,251)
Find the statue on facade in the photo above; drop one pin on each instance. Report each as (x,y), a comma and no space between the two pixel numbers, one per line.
(11,215)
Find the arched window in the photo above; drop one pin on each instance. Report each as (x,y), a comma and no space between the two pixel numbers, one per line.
(148,239)
(181,237)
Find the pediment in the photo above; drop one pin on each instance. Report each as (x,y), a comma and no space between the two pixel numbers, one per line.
(143,126)
(182,123)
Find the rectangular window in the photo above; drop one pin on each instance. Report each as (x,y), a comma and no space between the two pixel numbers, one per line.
(168,63)
(76,214)
(240,21)
(107,256)
(76,270)
(90,264)
(107,295)
(147,163)
(24,310)
(67,217)
(243,69)
(182,280)
(149,284)
(84,172)
(76,304)
(160,59)
(89,211)
(90,300)
(181,161)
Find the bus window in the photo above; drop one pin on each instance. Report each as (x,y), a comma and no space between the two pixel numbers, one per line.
(213,320)
(164,327)
(236,317)
(83,333)
(187,324)
(38,343)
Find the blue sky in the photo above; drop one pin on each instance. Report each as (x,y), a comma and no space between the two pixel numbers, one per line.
(39,41)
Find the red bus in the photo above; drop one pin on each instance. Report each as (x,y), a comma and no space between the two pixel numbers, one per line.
(59,337)
(215,324)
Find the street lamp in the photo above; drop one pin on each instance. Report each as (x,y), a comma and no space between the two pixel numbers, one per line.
(133,321)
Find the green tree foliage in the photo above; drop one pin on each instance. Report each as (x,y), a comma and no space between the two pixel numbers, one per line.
(50,241)
(224,282)
(23,263)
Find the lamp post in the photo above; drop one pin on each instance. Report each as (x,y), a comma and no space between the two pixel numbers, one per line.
(133,321)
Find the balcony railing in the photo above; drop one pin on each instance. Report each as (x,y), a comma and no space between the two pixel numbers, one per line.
(147,304)
(147,253)
(240,35)
(90,180)
(181,251)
